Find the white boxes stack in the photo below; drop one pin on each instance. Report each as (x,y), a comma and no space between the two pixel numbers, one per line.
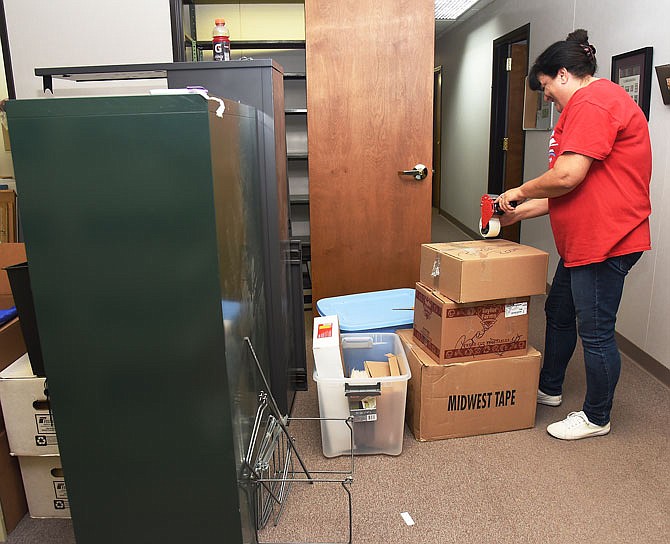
(32,438)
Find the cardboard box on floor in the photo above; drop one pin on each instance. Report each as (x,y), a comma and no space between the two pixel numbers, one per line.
(466,399)
(13,504)
(12,345)
(451,332)
(28,419)
(478,270)
(43,481)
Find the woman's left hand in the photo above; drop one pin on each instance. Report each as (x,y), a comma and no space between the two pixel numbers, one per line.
(505,199)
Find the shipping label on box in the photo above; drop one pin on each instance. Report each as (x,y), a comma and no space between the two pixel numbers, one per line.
(450,332)
(466,399)
(478,270)
(44,483)
(28,420)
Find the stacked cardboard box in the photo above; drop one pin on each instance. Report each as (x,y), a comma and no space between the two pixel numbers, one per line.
(473,370)
(32,438)
(27,434)
(12,496)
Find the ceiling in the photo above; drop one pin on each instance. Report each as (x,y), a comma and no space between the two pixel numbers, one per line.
(442,27)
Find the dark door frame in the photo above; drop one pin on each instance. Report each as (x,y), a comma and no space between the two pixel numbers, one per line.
(437,137)
(499,100)
(6,55)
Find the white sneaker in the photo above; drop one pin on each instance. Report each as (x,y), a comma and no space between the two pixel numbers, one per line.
(576,426)
(549,400)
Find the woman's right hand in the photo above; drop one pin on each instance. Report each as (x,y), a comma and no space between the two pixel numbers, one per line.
(528,209)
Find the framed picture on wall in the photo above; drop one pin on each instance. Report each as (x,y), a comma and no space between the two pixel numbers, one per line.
(538,114)
(632,71)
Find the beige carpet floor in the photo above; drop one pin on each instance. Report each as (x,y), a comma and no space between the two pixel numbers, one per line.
(514,487)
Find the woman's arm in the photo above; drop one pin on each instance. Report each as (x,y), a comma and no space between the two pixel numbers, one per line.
(568,172)
(526,210)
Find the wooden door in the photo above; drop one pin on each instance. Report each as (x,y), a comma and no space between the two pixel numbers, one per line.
(369,115)
(513,175)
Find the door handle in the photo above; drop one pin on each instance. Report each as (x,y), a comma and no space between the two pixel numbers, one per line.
(419,172)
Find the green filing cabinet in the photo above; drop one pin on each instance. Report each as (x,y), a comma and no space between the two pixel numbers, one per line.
(143,240)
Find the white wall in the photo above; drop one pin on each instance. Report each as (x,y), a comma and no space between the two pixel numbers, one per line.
(61,33)
(253,21)
(6,166)
(465,54)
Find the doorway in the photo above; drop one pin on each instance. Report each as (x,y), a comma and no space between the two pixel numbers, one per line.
(507,142)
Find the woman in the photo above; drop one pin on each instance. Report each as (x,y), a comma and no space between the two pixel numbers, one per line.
(596,193)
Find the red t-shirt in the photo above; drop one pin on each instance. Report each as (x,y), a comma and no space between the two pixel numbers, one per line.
(607,214)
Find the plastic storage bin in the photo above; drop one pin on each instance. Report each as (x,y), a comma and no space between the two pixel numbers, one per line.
(376,311)
(383,435)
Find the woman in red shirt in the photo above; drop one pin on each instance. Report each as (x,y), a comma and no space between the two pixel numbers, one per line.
(596,193)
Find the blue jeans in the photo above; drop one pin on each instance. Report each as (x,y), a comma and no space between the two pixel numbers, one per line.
(585,300)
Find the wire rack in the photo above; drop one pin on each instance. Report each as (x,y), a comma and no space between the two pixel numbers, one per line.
(273,465)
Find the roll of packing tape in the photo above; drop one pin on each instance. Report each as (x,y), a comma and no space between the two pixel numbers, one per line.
(492,230)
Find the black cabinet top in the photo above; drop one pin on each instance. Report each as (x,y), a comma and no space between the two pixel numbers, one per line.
(140,71)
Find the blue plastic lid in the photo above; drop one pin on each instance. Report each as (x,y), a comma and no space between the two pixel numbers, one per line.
(374,310)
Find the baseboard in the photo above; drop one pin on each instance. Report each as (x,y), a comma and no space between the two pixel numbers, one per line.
(471,233)
(645,361)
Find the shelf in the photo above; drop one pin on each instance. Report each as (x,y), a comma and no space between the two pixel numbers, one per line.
(132,71)
(299,199)
(206,45)
(295,111)
(296,156)
(304,240)
(295,75)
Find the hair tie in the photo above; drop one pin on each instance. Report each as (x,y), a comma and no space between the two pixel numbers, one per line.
(588,49)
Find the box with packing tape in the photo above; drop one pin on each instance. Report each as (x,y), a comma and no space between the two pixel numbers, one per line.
(451,332)
(471,398)
(478,270)
(30,427)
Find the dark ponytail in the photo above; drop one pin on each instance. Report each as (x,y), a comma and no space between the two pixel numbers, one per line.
(575,54)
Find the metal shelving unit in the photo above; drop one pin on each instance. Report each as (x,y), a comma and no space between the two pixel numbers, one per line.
(192,49)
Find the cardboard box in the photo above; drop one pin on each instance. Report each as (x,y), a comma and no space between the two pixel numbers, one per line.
(451,332)
(9,254)
(12,345)
(479,270)
(466,399)
(44,483)
(13,504)
(326,347)
(28,419)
